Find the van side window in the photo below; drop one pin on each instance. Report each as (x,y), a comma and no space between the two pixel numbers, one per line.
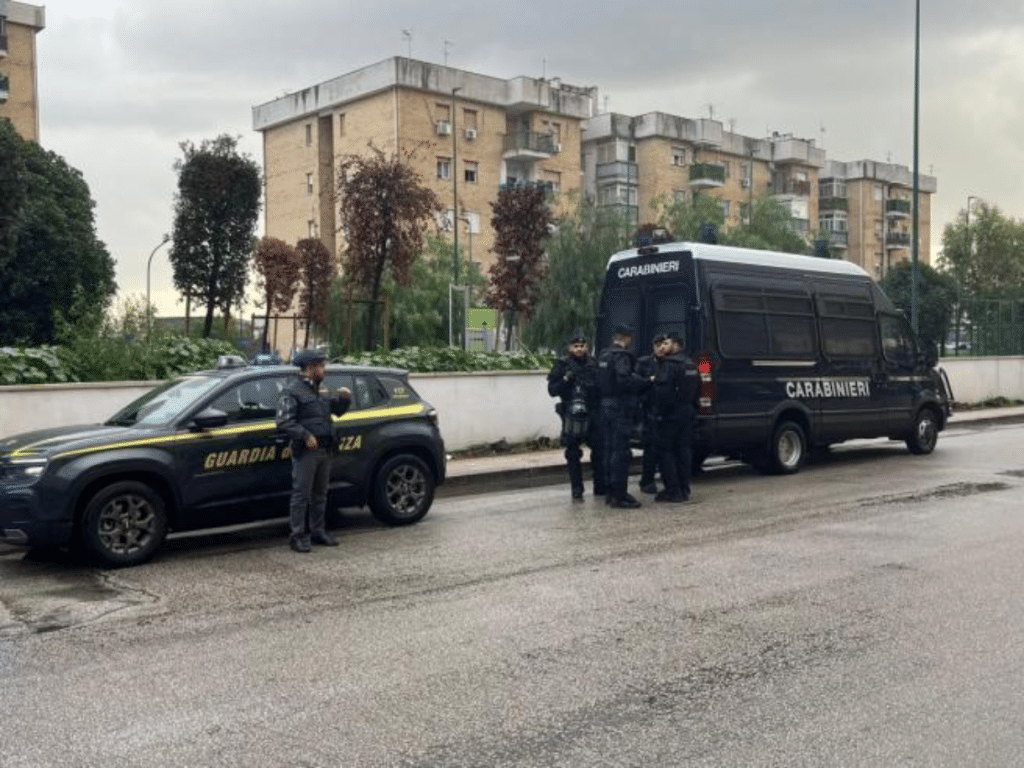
(847,326)
(764,322)
(897,343)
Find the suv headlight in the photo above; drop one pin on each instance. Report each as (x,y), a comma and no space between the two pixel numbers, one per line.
(23,471)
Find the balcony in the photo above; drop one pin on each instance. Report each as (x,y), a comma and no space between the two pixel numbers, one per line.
(839,239)
(833,204)
(897,209)
(547,186)
(528,145)
(897,240)
(707,175)
(5,92)
(617,171)
(803,226)
(791,188)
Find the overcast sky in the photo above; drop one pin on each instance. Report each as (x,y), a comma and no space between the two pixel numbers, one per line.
(122,82)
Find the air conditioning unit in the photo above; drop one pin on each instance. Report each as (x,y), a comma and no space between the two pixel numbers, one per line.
(471,133)
(745,183)
(558,146)
(443,128)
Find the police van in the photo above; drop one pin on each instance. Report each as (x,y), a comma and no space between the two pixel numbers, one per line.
(795,352)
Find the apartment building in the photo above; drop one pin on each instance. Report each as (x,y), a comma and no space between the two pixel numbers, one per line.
(867,207)
(632,161)
(19,91)
(468,134)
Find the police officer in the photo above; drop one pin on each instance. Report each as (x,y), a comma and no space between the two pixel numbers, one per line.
(573,378)
(305,417)
(620,387)
(676,393)
(646,367)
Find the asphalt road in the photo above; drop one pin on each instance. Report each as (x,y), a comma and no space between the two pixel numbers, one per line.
(867,611)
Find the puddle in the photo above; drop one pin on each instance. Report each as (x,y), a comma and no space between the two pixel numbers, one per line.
(953,490)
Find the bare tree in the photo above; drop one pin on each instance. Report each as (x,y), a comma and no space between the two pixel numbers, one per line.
(317,268)
(277,268)
(522,224)
(385,212)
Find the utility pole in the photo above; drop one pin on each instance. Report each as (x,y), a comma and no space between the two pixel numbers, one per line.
(455,187)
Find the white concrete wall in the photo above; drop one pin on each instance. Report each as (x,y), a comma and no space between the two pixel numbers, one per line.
(473,407)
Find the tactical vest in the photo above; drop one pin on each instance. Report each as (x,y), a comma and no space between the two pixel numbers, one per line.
(314,412)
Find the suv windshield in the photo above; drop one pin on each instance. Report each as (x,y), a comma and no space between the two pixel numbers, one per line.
(160,406)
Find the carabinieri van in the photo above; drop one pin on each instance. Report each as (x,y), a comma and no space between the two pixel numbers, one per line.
(795,352)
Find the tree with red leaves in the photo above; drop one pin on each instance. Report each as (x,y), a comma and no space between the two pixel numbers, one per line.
(277,267)
(317,268)
(385,212)
(522,224)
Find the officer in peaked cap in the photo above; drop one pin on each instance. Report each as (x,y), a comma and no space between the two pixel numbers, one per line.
(304,415)
(620,387)
(573,378)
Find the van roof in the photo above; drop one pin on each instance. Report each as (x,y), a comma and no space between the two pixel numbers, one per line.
(733,255)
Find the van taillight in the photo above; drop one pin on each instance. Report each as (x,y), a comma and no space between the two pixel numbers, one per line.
(707,385)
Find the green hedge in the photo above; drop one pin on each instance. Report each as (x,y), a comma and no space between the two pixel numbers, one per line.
(449,359)
(105,359)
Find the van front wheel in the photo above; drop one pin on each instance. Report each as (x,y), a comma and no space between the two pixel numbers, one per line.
(788,449)
(925,434)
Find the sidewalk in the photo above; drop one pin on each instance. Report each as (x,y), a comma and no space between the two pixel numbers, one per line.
(525,470)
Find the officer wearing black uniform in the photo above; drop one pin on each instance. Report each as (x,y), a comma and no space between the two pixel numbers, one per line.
(305,417)
(620,389)
(573,378)
(676,393)
(646,367)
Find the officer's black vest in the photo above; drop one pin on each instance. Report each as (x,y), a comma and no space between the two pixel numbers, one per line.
(608,378)
(314,412)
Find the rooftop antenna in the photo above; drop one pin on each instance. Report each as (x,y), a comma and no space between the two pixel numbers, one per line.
(606,102)
(446,46)
(732,125)
(407,34)
(821,130)
(711,111)
(544,69)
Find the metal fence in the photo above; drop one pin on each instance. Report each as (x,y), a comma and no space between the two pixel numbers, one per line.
(986,327)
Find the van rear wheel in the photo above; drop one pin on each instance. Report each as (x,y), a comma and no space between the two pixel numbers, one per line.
(788,449)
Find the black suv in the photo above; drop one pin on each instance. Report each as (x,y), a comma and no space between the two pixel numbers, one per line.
(202,451)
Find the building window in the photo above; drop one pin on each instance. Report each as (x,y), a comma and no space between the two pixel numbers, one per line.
(878,191)
(444,168)
(728,168)
(341,124)
(679,195)
(471,172)
(631,153)
(726,206)
(309,134)
(311,228)
(744,213)
(469,118)
(678,155)
(444,111)
(606,152)
(878,229)
(309,185)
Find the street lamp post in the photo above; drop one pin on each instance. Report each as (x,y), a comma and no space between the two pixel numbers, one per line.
(149,264)
(915,224)
(960,273)
(455,187)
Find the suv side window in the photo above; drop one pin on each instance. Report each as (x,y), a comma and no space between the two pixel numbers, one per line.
(396,388)
(250,400)
(367,392)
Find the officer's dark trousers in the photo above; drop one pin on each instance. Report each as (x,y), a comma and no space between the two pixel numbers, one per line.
(617,427)
(676,454)
(574,454)
(652,451)
(311,472)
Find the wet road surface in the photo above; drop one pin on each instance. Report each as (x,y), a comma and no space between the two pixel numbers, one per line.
(864,612)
